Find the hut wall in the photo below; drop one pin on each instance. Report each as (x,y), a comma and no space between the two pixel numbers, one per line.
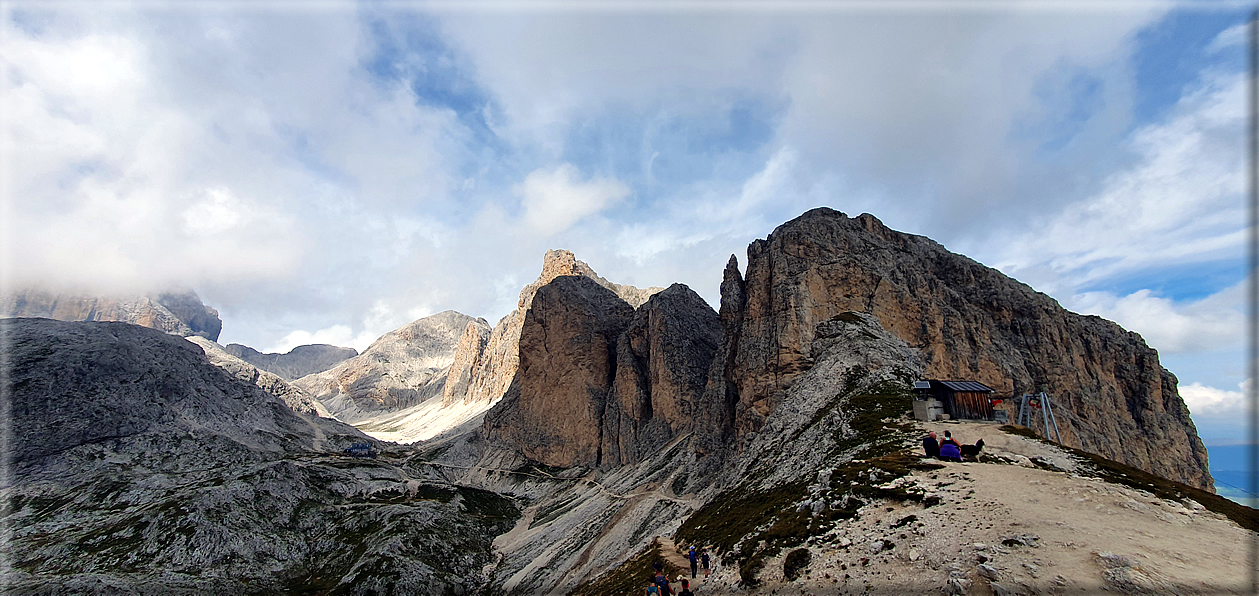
(968,406)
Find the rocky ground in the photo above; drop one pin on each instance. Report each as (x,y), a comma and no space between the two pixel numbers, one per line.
(1008,526)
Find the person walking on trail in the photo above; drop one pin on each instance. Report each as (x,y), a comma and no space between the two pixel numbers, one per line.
(686,589)
(703,559)
(658,566)
(662,582)
(930,445)
(652,588)
(694,558)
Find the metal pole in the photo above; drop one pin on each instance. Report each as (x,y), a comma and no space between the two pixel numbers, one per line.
(1044,412)
(1053,419)
(1252,366)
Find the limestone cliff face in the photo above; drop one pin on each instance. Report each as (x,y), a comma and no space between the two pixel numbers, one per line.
(468,357)
(401,369)
(662,361)
(500,357)
(553,413)
(297,363)
(969,322)
(601,384)
(95,385)
(177,313)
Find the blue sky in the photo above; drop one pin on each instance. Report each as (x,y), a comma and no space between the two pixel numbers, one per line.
(327,172)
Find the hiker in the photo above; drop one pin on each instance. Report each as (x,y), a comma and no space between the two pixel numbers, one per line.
(652,589)
(686,589)
(948,438)
(658,566)
(662,582)
(950,450)
(694,558)
(703,559)
(930,445)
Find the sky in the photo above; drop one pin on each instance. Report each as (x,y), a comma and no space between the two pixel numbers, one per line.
(324,172)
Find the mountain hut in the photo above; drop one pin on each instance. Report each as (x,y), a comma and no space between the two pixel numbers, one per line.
(963,400)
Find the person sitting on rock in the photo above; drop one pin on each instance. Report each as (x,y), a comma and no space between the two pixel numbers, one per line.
(930,445)
(950,452)
(948,438)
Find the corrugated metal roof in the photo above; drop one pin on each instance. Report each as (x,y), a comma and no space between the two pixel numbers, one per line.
(922,384)
(966,386)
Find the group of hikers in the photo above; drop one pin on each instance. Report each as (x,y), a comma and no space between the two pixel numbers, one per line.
(658,585)
(949,449)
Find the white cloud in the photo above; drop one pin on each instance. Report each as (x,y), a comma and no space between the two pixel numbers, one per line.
(1229,38)
(377,321)
(1181,203)
(555,199)
(1209,402)
(1189,326)
(219,212)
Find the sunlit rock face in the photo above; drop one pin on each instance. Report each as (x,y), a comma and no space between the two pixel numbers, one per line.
(401,369)
(600,383)
(175,312)
(553,413)
(498,360)
(967,320)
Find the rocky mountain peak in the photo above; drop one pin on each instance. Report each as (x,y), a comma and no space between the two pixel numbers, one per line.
(498,358)
(600,383)
(968,321)
(399,370)
(556,263)
(176,312)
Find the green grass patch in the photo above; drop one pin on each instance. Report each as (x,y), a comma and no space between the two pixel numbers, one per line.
(630,577)
(488,505)
(738,513)
(747,526)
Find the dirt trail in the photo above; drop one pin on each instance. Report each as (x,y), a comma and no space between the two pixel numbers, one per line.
(670,551)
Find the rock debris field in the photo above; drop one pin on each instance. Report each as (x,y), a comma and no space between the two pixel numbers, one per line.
(1006,526)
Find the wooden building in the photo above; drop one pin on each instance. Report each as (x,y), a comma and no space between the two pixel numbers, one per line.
(963,400)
